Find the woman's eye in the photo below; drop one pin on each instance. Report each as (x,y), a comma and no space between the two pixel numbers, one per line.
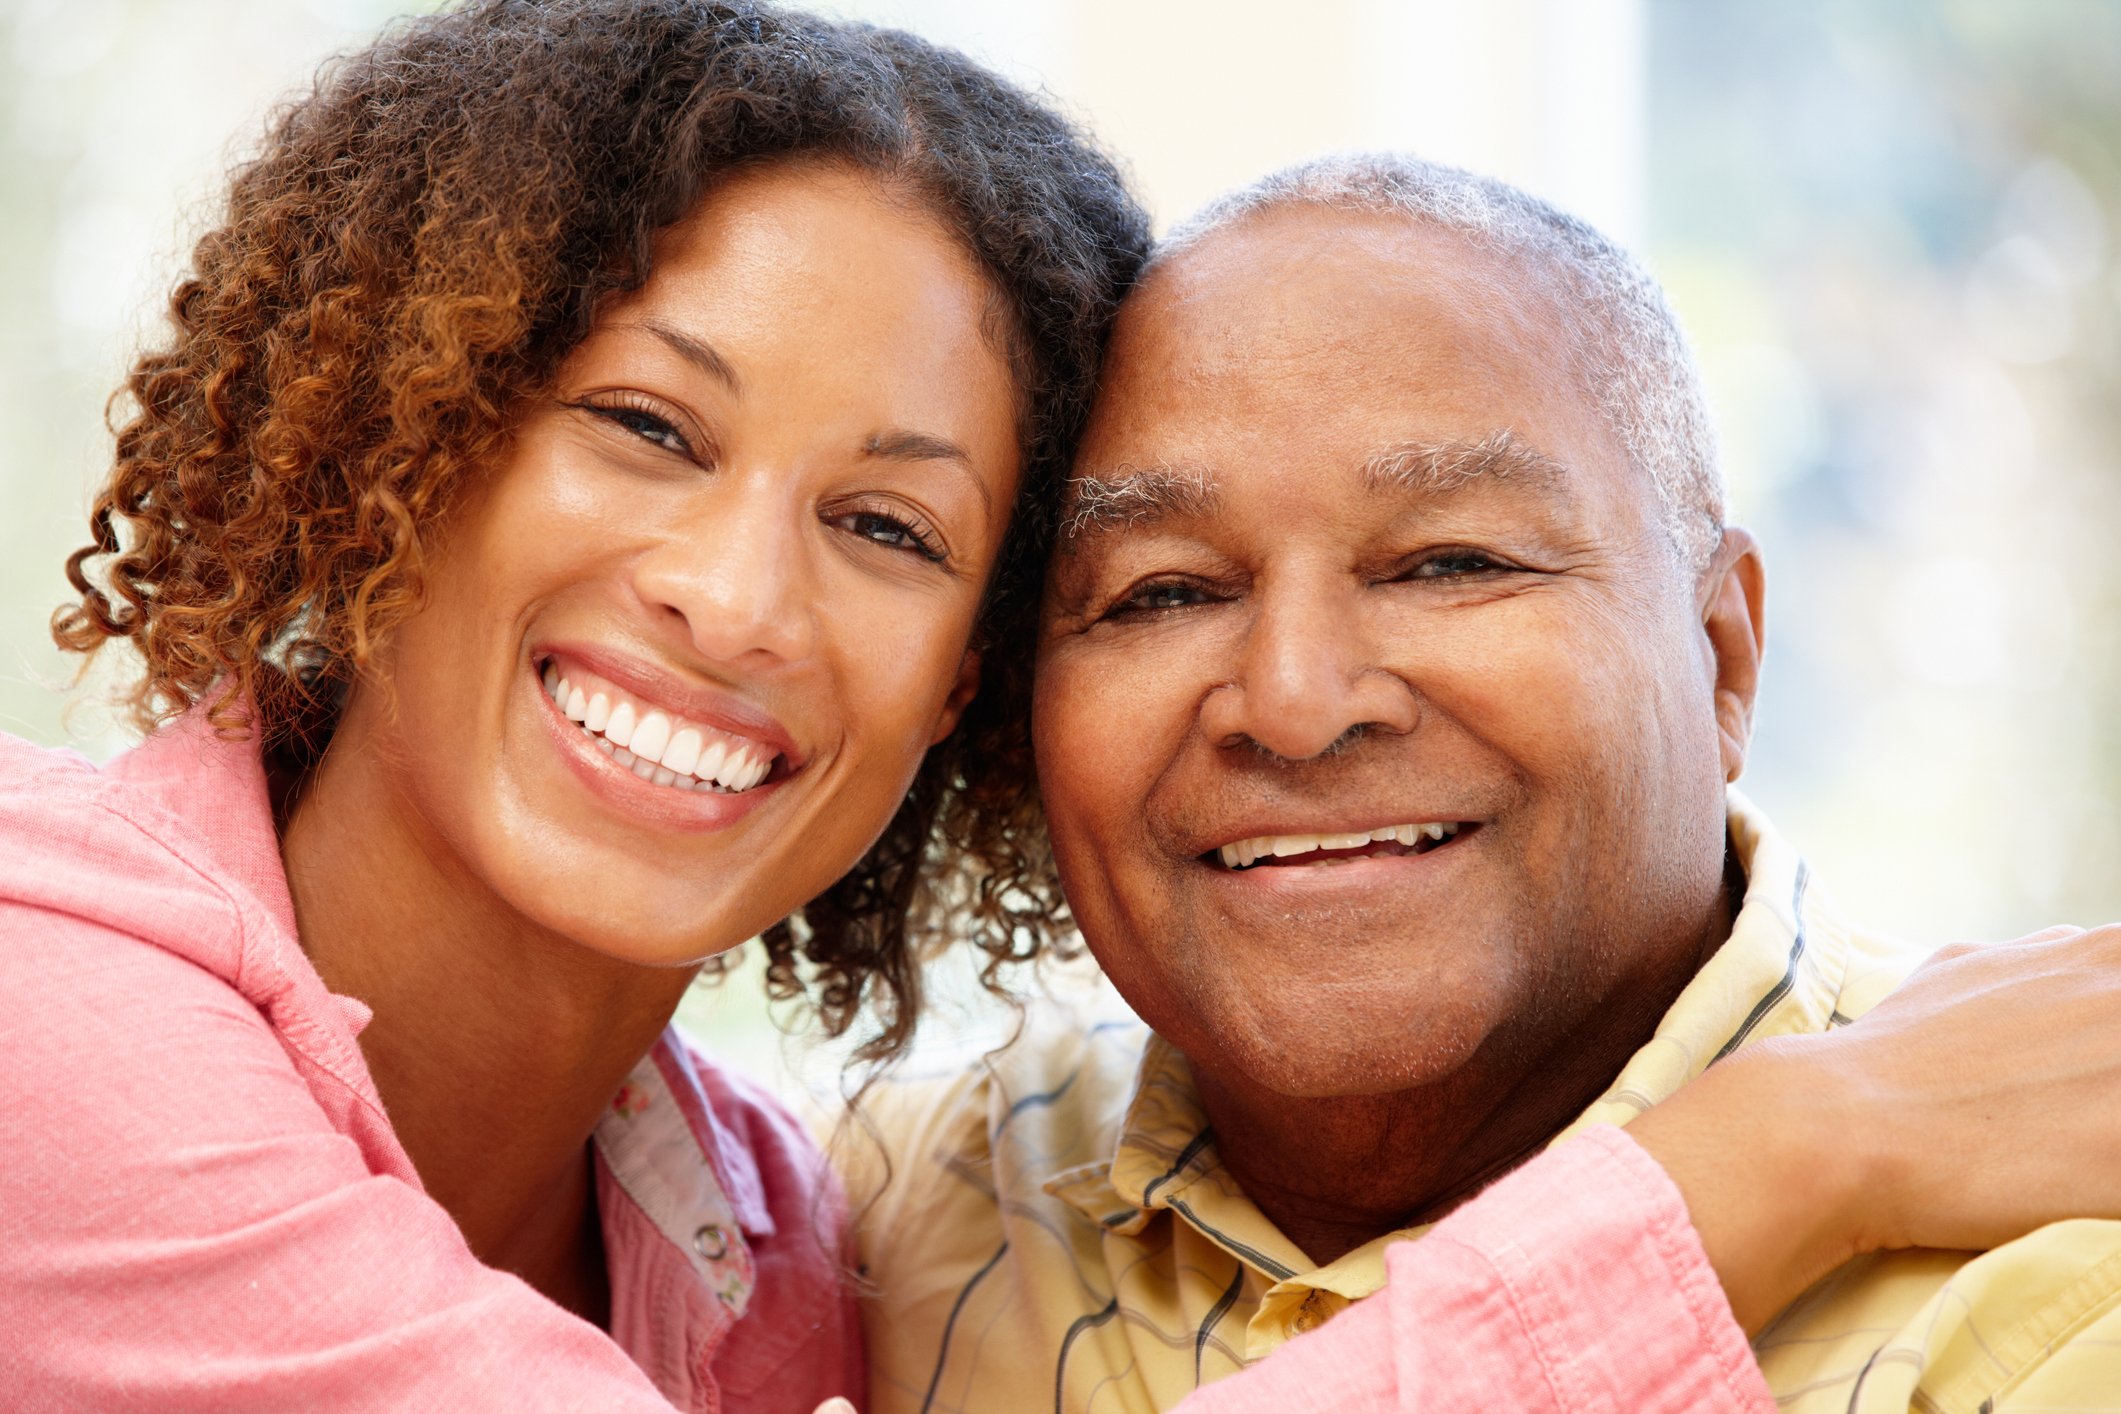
(889,530)
(648,427)
(631,415)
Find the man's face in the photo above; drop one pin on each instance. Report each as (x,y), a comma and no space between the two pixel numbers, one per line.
(1358,553)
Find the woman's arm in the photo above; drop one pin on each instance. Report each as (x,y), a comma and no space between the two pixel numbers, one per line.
(180,1224)
(1573,1286)
(1604,1274)
(1971,1106)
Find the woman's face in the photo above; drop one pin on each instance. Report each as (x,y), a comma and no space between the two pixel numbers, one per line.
(682,653)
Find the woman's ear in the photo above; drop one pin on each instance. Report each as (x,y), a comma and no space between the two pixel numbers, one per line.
(961,693)
(1733,616)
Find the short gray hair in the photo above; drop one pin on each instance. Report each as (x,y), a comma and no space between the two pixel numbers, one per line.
(1633,353)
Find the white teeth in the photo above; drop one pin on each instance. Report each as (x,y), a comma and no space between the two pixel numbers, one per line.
(683,753)
(1241,854)
(657,747)
(650,737)
(735,766)
(742,771)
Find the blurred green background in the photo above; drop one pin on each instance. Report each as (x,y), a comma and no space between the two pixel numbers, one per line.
(1889,226)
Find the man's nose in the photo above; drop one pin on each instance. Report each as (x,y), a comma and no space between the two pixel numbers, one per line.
(1308,673)
(736,577)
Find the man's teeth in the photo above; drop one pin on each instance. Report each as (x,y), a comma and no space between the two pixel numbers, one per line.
(1244,853)
(657,747)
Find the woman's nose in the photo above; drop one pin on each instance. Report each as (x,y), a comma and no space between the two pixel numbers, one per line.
(737,577)
(1307,675)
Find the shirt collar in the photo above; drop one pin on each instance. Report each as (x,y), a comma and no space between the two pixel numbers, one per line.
(1778,974)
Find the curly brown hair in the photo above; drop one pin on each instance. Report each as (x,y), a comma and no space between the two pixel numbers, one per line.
(426,234)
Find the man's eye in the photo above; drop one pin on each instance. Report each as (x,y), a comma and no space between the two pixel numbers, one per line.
(1455,564)
(1155,598)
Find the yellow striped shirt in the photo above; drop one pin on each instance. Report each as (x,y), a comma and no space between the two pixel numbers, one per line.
(1059,1233)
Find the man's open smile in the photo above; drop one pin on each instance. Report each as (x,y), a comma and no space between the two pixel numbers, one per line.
(1314,850)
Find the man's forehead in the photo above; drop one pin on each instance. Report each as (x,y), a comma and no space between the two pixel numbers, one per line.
(1284,260)
(1341,341)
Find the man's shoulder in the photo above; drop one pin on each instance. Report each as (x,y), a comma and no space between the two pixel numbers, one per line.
(1875,963)
(2033,1324)
(1067,1071)
(971,1234)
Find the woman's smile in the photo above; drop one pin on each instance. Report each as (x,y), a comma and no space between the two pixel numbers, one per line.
(669,754)
(657,746)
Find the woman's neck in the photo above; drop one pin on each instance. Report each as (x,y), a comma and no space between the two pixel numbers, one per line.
(496,1044)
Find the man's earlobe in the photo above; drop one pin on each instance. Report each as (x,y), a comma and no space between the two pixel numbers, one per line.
(961,694)
(1734,618)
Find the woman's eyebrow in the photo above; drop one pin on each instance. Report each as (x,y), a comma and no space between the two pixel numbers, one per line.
(698,353)
(900,445)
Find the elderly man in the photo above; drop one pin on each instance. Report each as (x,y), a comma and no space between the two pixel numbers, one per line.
(1396,662)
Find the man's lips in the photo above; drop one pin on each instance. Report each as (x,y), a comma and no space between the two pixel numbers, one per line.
(1287,847)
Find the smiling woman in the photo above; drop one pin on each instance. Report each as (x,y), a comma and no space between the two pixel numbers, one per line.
(586,513)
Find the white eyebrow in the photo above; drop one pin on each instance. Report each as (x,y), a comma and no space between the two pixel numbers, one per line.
(1129,496)
(1433,468)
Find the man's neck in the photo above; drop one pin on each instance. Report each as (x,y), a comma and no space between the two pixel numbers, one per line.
(1337,1172)
(496,1045)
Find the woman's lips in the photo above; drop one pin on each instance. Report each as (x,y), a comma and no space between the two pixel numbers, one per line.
(680,698)
(667,751)
(633,788)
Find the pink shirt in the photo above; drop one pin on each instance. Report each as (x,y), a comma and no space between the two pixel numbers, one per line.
(1577,1285)
(203,1205)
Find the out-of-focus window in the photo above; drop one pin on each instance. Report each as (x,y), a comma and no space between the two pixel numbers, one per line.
(1890,228)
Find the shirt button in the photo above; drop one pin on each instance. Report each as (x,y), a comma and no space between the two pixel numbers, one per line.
(710,1243)
(1307,1315)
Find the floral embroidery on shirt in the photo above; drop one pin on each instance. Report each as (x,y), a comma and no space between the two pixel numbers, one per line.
(630,1101)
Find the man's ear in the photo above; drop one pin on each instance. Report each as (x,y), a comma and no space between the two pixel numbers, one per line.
(1734,619)
(960,695)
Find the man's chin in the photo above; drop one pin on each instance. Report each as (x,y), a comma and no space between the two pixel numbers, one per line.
(1304,1056)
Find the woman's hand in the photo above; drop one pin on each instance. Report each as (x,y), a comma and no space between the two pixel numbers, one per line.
(1974,1104)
